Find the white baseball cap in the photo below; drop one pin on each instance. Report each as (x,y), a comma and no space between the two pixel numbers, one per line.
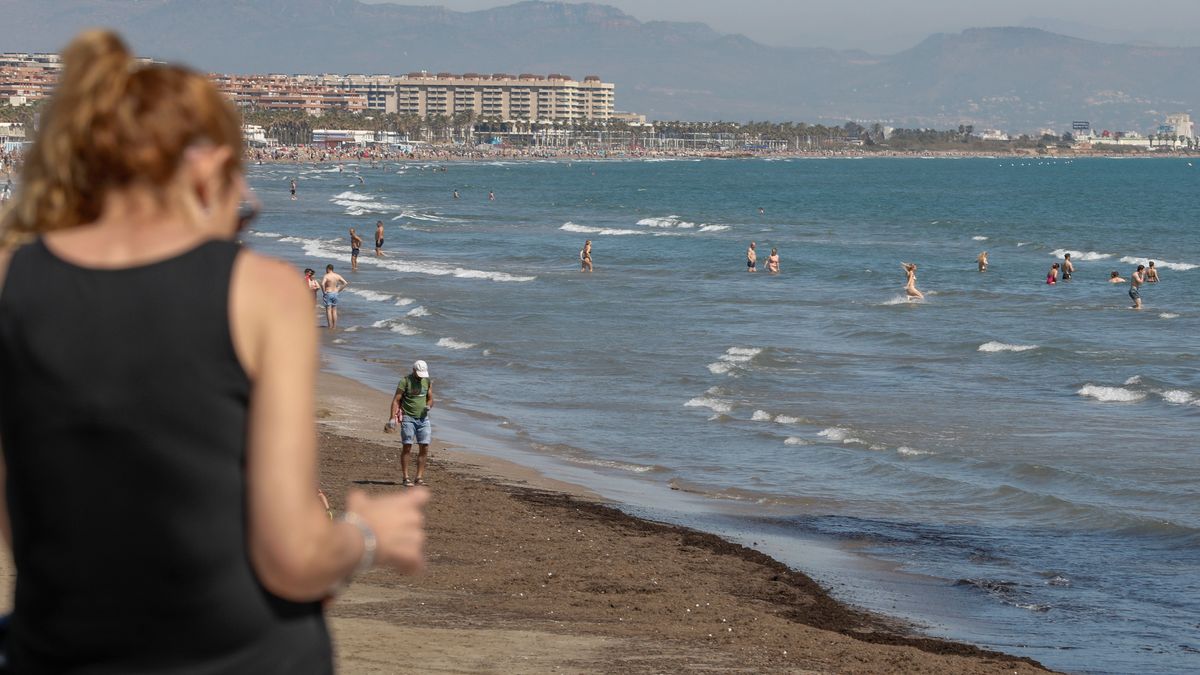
(421,368)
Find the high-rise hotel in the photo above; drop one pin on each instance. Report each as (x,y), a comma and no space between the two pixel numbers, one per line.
(533,98)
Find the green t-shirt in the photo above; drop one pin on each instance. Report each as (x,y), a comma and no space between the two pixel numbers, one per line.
(415,393)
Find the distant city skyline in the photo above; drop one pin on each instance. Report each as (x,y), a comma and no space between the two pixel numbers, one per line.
(888,26)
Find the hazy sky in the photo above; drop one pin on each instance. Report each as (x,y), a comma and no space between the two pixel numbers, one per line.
(884,26)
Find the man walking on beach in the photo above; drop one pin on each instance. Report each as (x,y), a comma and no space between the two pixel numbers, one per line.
(379,239)
(751,259)
(331,284)
(411,406)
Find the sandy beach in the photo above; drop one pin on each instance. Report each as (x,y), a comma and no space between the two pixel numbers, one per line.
(528,575)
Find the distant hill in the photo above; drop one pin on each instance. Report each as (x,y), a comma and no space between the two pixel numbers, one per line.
(1011,78)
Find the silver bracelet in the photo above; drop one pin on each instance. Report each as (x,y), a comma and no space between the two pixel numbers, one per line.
(370,543)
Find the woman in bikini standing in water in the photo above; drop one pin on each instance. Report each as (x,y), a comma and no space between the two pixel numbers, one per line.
(910,286)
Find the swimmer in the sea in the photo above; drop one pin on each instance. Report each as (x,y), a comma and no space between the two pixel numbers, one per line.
(1052,275)
(1115,278)
(910,284)
(982,261)
(585,257)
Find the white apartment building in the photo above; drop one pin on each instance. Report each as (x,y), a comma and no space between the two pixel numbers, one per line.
(504,97)
(1181,125)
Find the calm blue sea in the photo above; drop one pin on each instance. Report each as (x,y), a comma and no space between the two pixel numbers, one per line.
(1029,448)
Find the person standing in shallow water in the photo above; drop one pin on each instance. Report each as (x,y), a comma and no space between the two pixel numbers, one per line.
(1151,273)
(773,261)
(379,239)
(982,261)
(1135,286)
(355,247)
(1052,275)
(1068,267)
(585,257)
(751,259)
(163,522)
(331,285)
(910,283)
(410,408)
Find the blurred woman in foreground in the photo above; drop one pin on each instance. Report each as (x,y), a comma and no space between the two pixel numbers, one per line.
(156,397)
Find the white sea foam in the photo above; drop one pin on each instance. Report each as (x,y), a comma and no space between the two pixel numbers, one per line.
(329,250)
(1080,255)
(404,302)
(784,419)
(835,433)
(761,416)
(367,294)
(1178,267)
(418,311)
(451,343)
(740,354)
(720,368)
(1111,394)
(898,300)
(714,404)
(273,235)
(668,221)
(609,464)
(1178,396)
(339,341)
(607,231)
(1003,347)
(796,440)
(713,228)
(396,326)
(1168,315)
(1133,380)
(910,452)
(979,238)
(357,204)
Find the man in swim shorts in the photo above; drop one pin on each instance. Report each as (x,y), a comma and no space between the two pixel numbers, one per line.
(751,259)
(410,407)
(355,247)
(331,284)
(379,239)
(1068,267)
(1135,283)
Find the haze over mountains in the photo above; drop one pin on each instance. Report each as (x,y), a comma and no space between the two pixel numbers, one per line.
(1017,79)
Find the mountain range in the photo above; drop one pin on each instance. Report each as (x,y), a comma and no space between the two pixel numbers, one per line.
(1017,79)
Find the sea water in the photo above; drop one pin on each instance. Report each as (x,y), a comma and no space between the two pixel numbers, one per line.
(1031,447)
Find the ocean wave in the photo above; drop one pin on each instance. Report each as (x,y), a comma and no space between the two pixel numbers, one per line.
(720,367)
(329,250)
(418,311)
(396,326)
(979,238)
(911,452)
(761,416)
(764,416)
(1168,315)
(1004,347)
(713,228)
(404,302)
(451,343)
(1133,380)
(732,360)
(1177,266)
(668,221)
(898,300)
(837,434)
(1111,394)
(795,440)
(1178,396)
(786,419)
(273,235)
(610,464)
(607,231)
(1080,255)
(367,294)
(357,204)
(714,404)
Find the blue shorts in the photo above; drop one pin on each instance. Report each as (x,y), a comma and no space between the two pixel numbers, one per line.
(330,299)
(415,430)
(1134,293)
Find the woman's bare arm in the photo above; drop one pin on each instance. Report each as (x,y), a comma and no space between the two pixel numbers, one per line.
(296,551)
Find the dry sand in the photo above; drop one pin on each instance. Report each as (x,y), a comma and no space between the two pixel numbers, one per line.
(530,576)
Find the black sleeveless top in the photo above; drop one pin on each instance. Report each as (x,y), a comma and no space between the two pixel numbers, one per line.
(123,414)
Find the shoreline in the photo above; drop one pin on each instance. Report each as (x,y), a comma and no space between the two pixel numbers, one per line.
(799,610)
